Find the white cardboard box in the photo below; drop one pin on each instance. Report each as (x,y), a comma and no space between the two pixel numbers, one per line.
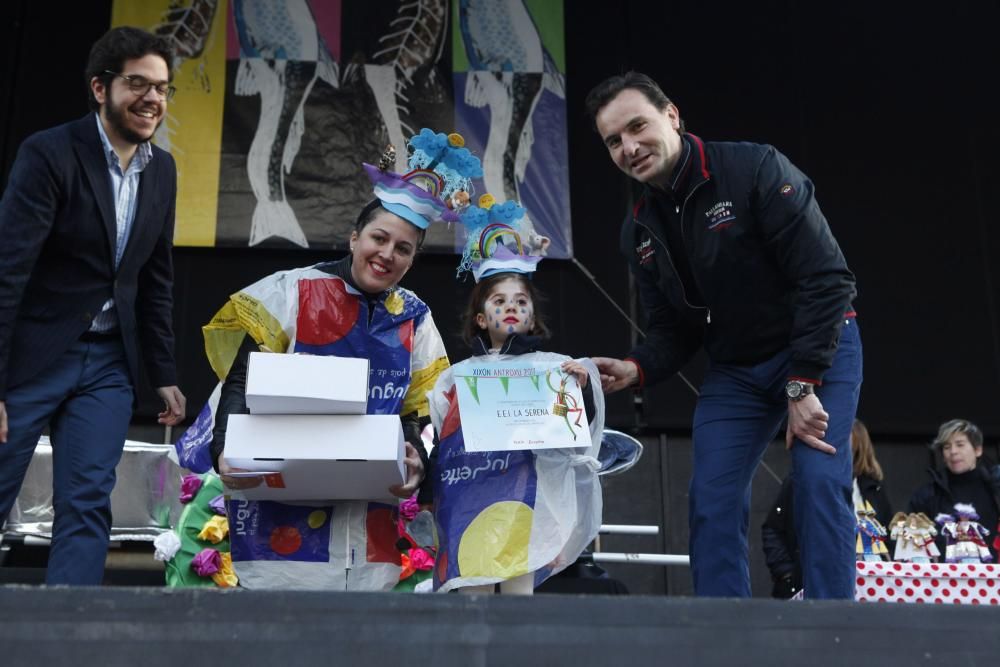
(318,457)
(305,384)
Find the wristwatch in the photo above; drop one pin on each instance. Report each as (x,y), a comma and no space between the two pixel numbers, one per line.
(796,390)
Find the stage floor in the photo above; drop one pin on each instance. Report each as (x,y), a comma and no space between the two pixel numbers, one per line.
(148,626)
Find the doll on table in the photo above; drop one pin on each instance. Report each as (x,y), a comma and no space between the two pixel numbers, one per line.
(914,534)
(966,538)
(870,536)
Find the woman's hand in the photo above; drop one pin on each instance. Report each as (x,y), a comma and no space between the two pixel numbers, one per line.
(576,369)
(414,474)
(235,482)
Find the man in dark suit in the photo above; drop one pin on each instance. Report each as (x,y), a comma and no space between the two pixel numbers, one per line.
(86,274)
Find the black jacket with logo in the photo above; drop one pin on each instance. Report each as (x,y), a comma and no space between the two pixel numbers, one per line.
(766,266)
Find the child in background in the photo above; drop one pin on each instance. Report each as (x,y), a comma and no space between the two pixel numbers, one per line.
(511,519)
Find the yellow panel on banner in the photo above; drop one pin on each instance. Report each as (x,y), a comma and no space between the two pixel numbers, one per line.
(192,130)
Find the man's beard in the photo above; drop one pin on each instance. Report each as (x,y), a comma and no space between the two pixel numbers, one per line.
(117,120)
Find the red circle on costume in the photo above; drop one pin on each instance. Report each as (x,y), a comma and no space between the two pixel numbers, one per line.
(899,582)
(990,582)
(964,592)
(916,582)
(871,592)
(880,582)
(934,583)
(861,581)
(890,592)
(442,566)
(908,592)
(934,566)
(982,592)
(927,592)
(406,335)
(882,600)
(326,311)
(919,600)
(953,567)
(938,601)
(285,540)
(975,601)
(945,592)
(897,567)
(994,601)
(952,583)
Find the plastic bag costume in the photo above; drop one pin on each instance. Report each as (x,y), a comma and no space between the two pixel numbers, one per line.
(503,515)
(343,545)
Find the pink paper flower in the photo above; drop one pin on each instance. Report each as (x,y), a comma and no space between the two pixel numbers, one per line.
(207,562)
(409,509)
(421,560)
(189,487)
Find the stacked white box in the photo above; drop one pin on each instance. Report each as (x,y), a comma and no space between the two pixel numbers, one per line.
(308,436)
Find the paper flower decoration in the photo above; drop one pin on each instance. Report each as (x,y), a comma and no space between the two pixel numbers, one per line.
(207,562)
(215,530)
(189,487)
(166,546)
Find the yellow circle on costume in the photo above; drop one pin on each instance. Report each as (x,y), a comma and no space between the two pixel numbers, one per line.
(394,303)
(316,519)
(456,140)
(487,201)
(496,542)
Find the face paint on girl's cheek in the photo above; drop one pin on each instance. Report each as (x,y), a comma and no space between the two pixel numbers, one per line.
(497,326)
(497,311)
(510,329)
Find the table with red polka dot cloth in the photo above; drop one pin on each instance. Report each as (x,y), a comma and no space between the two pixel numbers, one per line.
(939,583)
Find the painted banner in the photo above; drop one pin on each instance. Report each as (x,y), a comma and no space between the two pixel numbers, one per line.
(280,101)
(516,405)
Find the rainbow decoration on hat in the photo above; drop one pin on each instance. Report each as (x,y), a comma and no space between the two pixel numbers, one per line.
(499,239)
(438,184)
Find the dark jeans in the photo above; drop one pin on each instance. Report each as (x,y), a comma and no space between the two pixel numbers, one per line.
(86,399)
(739,413)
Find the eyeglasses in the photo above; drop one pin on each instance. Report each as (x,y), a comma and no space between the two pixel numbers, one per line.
(140,85)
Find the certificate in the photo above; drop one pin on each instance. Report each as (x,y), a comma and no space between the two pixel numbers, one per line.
(510,405)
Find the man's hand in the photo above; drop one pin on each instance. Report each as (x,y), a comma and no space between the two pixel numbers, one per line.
(174,405)
(414,474)
(576,369)
(3,422)
(235,482)
(808,421)
(616,374)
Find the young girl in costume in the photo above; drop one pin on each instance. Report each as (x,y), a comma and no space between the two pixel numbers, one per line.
(510,518)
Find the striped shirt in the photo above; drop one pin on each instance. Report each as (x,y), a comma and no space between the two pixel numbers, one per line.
(124,193)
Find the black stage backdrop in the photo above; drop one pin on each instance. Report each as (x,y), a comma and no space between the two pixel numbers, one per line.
(891,108)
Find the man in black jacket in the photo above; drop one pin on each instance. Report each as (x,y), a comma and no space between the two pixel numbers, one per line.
(86,274)
(731,252)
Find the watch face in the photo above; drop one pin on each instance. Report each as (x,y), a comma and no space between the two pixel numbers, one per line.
(793,389)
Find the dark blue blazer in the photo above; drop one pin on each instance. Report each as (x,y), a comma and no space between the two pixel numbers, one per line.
(57,239)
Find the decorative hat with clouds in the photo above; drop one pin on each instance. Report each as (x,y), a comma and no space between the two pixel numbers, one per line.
(500,238)
(438,184)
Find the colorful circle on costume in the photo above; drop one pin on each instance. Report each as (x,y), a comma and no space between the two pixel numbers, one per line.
(285,540)
(316,519)
(487,201)
(406,335)
(456,140)
(495,544)
(327,312)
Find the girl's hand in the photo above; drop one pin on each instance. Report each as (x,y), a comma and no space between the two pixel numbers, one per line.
(576,369)
(414,474)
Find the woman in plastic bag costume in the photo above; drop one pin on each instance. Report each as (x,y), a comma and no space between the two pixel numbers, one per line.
(349,308)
